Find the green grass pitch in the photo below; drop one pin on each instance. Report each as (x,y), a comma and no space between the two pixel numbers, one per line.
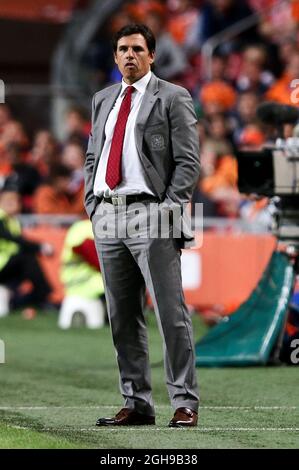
(55,384)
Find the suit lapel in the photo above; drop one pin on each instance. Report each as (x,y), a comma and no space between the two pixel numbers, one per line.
(149,99)
(106,107)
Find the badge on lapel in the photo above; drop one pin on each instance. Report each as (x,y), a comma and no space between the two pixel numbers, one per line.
(157,142)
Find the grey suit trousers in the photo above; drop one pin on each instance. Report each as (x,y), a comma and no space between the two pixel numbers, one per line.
(128,265)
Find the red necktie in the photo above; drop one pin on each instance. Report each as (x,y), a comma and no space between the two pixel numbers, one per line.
(113,171)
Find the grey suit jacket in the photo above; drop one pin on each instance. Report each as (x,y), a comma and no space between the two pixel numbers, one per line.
(166,139)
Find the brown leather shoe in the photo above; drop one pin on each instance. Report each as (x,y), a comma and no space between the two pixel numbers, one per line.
(126,417)
(183,417)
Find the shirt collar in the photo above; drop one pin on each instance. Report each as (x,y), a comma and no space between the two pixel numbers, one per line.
(140,85)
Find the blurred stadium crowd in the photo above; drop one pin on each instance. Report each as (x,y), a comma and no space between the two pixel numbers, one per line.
(255,65)
(258,64)
(48,174)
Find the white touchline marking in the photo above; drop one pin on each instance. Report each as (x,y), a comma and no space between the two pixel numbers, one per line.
(153,428)
(99,407)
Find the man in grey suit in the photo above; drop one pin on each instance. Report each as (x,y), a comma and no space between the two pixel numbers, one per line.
(143,148)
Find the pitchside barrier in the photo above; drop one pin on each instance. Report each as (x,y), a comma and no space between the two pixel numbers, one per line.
(222,270)
(253,335)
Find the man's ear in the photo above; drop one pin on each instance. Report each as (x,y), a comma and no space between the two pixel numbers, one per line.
(152,56)
(115,58)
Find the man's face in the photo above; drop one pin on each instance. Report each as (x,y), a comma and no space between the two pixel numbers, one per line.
(62,184)
(10,202)
(133,57)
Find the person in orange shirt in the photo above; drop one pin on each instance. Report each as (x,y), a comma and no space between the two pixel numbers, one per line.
(217,97)
(55,197)
(221,185)
(12,134)
(44,152)
(281,91)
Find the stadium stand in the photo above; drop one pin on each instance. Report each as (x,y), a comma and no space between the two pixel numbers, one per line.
(230,55)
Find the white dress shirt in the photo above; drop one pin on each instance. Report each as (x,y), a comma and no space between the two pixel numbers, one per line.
(133,179)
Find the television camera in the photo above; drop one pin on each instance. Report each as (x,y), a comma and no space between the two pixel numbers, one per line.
(274,172)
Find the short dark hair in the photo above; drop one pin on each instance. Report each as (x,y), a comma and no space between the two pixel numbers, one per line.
(59,170)
(136,28)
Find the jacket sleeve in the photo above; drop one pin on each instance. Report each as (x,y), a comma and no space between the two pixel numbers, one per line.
(89,198)
(184,141)
(25,245)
